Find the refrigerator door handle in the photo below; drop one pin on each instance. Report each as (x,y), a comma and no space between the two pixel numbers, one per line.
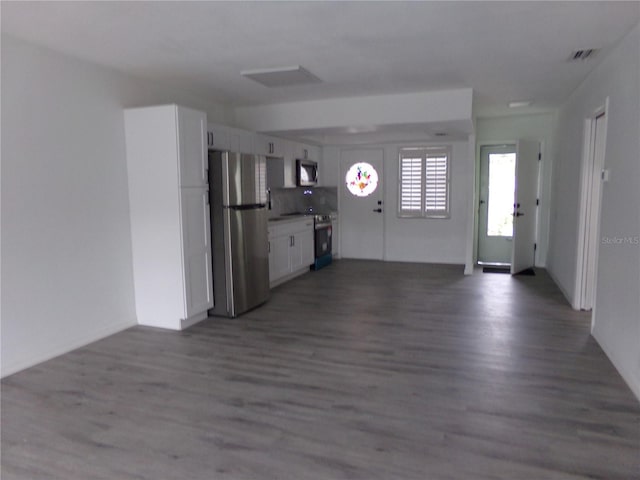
(228,267)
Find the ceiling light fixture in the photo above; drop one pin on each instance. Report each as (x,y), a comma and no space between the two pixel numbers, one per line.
(281,76)
(520,103)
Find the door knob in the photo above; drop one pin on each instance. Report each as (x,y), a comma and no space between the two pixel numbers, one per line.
(518,214)
(379,210)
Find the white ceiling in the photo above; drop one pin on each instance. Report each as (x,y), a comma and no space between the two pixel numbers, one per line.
(505,51)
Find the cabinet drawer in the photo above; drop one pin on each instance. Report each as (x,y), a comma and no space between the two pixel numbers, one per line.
(277,229)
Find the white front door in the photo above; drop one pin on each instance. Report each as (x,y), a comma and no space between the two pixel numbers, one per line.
(525,211)
(361,204)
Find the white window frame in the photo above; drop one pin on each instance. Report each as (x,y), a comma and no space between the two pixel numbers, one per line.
(424,153)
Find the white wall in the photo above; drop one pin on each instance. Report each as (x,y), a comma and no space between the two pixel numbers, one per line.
(539,127)
(66,243)
(416,240)
(617,311)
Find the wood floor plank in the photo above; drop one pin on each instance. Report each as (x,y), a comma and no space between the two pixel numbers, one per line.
(362,370)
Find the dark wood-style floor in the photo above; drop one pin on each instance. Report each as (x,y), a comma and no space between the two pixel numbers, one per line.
(362,370)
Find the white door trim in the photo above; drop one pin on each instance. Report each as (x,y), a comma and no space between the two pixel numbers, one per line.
(482,239)
(476,191)
(472,201)
(589,212)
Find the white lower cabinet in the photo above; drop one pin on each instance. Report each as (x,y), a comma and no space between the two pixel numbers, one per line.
(302,249)
(279,256)
(290,249)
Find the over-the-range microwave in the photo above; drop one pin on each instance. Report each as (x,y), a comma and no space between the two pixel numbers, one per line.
(306,173)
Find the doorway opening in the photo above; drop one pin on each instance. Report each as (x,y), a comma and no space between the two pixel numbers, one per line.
(496,205)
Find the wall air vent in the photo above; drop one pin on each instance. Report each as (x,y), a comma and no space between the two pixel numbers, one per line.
(586,54)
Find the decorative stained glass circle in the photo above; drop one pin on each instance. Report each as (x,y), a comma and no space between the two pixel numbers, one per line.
(362,179)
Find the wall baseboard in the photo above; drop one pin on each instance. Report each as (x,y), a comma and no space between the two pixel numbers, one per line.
(446,261)
(561,288)
(10,368)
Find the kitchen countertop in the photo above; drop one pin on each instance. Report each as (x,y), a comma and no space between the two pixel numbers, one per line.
(289,218)
(297,216)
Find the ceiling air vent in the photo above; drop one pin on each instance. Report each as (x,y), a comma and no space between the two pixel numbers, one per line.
(583,54)
(281,76)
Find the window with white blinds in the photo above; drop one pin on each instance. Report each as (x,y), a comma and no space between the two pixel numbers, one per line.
(424,182)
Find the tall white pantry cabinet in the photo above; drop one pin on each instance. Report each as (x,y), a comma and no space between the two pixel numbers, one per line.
(169,210)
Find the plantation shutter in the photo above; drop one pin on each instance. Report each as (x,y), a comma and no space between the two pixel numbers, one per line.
(436,184)
(424,182)
(411,185)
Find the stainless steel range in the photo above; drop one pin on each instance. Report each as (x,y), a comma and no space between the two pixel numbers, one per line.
(322,240)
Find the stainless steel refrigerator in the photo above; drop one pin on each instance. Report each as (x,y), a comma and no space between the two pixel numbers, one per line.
(238,197)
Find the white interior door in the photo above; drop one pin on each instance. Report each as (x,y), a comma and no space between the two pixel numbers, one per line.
(524,211)
(361,204)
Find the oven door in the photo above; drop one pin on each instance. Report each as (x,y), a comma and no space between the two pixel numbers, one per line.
(322,240)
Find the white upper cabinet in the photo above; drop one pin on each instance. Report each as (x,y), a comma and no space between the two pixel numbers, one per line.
(192,127)
(303,151)
(283,153)
(314,152)
(240,140)
(218,137)
(300,151)
(261,144)
(271,146)
(222,137)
